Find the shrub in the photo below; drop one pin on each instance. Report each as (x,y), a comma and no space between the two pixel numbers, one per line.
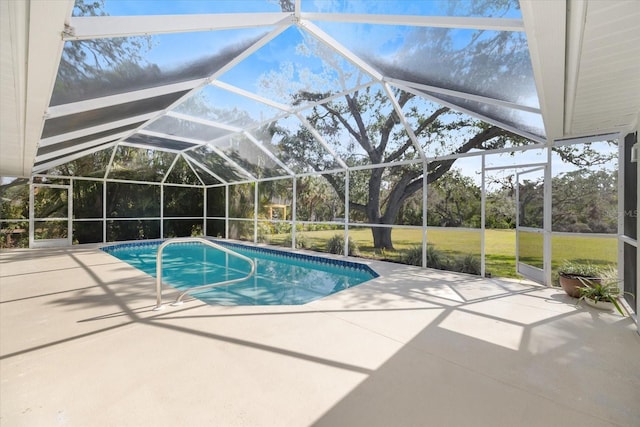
(467,264)
(301,242)
(335,245)
(196,230)
(436,258)
(412,256)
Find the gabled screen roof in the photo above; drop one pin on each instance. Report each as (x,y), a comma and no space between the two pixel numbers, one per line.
(245,95)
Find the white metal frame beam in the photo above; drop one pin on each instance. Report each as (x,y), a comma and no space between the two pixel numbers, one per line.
(197,176)
(190,159)
(95,27)
(67,159)
(465,95)
(321,140)
(202,121)
(52,140)
(516,131)
(195,142)
(80,147)
(269,154)
(403,120)
(325,38)
(121,98)
(173,163)
(232,163)
(473,23)
(225,86)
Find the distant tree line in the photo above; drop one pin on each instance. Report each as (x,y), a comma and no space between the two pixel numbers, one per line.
(584,201)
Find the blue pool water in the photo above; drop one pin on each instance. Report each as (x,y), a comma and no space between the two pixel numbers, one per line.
(281,278)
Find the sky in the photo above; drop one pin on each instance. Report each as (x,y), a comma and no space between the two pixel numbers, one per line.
(389,7)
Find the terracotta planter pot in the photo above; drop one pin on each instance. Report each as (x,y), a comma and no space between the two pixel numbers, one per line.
(571,284)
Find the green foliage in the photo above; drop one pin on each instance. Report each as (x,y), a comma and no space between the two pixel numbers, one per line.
(277,192)
(196,230)
(301,241)
(14,234)
(92,165)
(241,230)
(216,202)
(573,268)
(500,209)
(241,200)
(87,199)
(134,230)
(454,201)
(318,227)
(412,256)
(606,289)
(469,264)
(132,200)
(439,260)
(436,258)
(317,200)
(585,201)
(14,200)
(531,209)
(181,173)
(584,155)
(183,201)
(335,245)
(140,164)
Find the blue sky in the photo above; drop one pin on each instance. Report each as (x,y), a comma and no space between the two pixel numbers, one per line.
(389,7)
(179,7)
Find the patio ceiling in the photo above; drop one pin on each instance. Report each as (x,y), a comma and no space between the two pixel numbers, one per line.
(582,61)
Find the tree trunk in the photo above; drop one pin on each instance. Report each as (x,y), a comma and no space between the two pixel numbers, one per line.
(382,238)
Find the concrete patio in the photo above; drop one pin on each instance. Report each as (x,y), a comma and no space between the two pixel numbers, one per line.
(81,346)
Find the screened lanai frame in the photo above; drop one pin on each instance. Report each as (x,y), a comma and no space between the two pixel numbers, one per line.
(115,133)
(86,28)
(346,225)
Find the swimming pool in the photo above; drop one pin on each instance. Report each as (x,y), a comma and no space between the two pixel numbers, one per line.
(281,278)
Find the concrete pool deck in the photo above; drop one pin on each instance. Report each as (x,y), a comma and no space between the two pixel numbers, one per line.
(81,346)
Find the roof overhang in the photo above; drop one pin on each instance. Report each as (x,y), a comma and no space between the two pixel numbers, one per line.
(590,84)
(31,40)
(585,57)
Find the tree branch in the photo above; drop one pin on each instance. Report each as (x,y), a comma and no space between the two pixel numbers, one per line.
(363,137)
(391,121)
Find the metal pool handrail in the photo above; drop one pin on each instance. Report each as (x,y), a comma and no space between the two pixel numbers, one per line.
(210,285)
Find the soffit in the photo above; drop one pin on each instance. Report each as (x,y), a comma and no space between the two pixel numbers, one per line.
(607,79)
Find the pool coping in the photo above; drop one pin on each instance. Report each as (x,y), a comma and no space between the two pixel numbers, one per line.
(284,252)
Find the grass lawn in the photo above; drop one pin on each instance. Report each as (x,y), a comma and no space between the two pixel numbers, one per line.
(500,246)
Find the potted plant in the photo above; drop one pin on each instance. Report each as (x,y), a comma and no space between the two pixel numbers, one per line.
(602,293)
(572,274)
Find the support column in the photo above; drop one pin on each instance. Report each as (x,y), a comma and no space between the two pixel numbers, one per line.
(483,203)
(294,207)
(346,213)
